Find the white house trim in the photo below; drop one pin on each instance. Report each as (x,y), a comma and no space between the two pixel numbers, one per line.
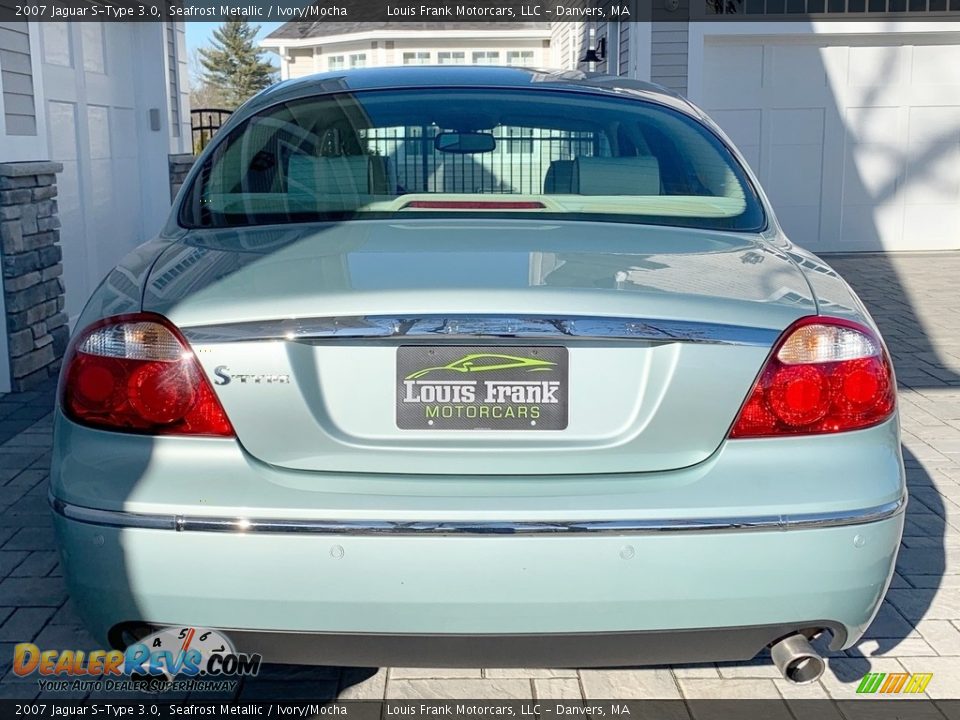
(280,44)
(640,39)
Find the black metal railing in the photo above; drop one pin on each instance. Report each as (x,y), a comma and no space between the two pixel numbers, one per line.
(204,123)
(519,164)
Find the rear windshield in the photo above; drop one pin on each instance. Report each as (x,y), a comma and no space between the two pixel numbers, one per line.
(395,153)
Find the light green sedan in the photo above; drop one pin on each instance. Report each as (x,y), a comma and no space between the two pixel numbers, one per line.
(461,366)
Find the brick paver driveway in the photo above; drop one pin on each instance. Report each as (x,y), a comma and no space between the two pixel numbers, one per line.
(916,301)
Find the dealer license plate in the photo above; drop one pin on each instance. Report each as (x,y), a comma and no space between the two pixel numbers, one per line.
(480,387)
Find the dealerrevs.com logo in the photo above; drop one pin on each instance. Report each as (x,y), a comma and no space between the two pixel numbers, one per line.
(481,387)
(174,658)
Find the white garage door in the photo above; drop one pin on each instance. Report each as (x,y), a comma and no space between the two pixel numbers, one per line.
(92,123)
(856,139)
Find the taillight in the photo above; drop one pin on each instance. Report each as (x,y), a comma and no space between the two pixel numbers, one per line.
(825,375)
(136,373)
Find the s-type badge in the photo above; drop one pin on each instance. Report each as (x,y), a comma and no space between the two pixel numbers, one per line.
(224,376)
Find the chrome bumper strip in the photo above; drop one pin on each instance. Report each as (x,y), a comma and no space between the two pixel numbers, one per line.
(468,327)
(190,523)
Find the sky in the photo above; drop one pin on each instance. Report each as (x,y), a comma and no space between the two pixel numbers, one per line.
(198,35)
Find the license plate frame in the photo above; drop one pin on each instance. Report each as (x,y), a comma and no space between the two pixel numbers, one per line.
(482,387)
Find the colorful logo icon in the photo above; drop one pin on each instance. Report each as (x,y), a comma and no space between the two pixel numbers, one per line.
(894,683)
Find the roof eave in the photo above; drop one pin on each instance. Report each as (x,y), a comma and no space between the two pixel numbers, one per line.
(517,34)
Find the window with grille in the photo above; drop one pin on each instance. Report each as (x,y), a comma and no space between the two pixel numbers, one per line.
(520,57)
(451,58)
(486,57)
(416,58)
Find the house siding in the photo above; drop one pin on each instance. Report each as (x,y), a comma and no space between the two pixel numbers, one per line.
(602,30)
(568,41)
(16,79)
(582,42)
(668,53)
(560,40)
(623,62)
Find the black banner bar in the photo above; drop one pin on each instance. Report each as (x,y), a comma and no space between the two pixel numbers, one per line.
(543,709)
(351,12)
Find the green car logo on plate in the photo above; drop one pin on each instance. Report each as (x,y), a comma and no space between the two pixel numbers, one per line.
(485,387)
(486,362)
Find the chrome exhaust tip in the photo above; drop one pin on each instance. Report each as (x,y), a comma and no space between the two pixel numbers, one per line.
(796,659)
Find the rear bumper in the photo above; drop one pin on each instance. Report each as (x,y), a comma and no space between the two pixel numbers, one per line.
(504,651)
(765,537)
(620,596)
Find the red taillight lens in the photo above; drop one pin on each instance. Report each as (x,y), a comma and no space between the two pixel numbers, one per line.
(824,375)
(136,373)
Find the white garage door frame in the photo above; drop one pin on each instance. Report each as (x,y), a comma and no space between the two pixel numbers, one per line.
(104,84)
(913,215)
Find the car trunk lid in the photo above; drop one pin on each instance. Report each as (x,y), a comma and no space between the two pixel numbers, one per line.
(330,345)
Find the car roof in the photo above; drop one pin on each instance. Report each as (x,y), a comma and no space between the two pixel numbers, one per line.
(464,76)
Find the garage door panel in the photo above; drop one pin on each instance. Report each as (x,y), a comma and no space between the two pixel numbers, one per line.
(933,175)
(101,191)
(797,127)
(751,153)
(124,131)
(94,52)
(62,122)
(797,69)
(870,65)
(60,77)
(800,186)
(126,228)
(859,138)
(932,95)
(876,125)
(936,65)
(869,226)
(938,225)
(733,76)
(98,132)
(117,41)
(800,222)
(56,43)
(743,128)
(933,125)
(871,173)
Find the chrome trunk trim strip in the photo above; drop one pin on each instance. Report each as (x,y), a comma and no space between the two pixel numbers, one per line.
(192,523)
(469,327)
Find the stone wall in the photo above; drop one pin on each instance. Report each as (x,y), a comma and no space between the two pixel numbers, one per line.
(179,167)
(37,329)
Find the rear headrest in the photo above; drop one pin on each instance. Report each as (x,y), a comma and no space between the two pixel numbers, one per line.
(340,175)
(617,176)
(559,178)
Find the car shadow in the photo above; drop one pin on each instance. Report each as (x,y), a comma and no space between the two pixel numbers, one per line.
(887,285)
